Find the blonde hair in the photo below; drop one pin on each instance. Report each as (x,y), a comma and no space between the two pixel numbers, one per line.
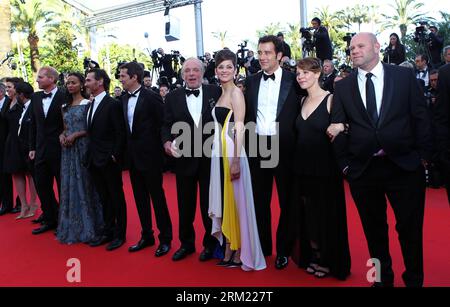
(51,72)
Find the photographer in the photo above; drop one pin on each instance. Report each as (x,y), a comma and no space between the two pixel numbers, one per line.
(395,52)
(286,49)
(165,63)
(324,50)
(436,43)
(210,67)
(251,65)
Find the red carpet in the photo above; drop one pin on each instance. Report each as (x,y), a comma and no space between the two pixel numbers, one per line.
(27,260)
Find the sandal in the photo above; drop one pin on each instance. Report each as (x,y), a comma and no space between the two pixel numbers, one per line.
(312,268)
(322,272)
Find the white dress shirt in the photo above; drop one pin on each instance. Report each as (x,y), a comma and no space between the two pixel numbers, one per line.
(195,105)
(269,91)
(132,101)
(46,102)
(25,108)
(97,99)
(424,76)
(378,82)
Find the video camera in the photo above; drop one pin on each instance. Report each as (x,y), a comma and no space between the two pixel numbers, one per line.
(290,65)
(89,64)
(421,34)
(308,44)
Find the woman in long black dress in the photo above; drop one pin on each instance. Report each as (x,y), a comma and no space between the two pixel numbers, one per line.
(14,162)
(319,203)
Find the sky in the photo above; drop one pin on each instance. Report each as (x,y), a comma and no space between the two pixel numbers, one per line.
(240,18)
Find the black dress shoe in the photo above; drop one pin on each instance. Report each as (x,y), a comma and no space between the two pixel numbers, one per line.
(43,228)
(3,211)
(162,250)
(281,262)
(143,243)
(39,220)
(16,209)
(101,241)
(115,244)
(182,253)
(206,254)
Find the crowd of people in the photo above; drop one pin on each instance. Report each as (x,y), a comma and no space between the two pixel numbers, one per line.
(378,126)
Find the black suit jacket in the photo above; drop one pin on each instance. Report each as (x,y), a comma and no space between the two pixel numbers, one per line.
(45,131)
(106,134)
(287,112)
(442,116)
(24,134)
(403,130)
(176,110)
(324,49)
(144,148)
(3,129)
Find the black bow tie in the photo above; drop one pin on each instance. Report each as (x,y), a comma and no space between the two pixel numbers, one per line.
(44,95)
(134,94)
(192,92)
(266,76)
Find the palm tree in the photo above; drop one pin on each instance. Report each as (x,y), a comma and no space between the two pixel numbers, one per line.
(360,15)
(221,36)
(345,18)
(271,29)
(5,33)
(374,17)
(27,18)
(293,39)
(406,12)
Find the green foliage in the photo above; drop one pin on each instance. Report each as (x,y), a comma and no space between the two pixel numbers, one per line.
(121,53)
(60,53)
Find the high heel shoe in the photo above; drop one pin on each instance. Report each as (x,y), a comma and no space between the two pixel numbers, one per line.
(23,211)
(32,210)
(225,263)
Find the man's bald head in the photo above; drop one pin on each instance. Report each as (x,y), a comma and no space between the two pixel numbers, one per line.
(365,51)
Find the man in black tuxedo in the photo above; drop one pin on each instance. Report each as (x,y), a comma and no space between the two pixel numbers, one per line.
(422,70)
(45,150)
(143,113)
(6,185)
(442,123)
(328,76)
(191,106)
(322,41)
(383,153)
(272,98)
(106,131)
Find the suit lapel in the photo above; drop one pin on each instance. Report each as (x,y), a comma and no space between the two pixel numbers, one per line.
(359,104)
(125,111)
(137,108)
(99,109)
(388,92)
(54,104)
(285,88)
(40,107)
(184,106)
(255,93)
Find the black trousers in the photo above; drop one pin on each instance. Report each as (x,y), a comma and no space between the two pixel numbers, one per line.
(262,182)
(406,194)
(145,185)
(187,204)
(45,172)
(6,191)
(108,182)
